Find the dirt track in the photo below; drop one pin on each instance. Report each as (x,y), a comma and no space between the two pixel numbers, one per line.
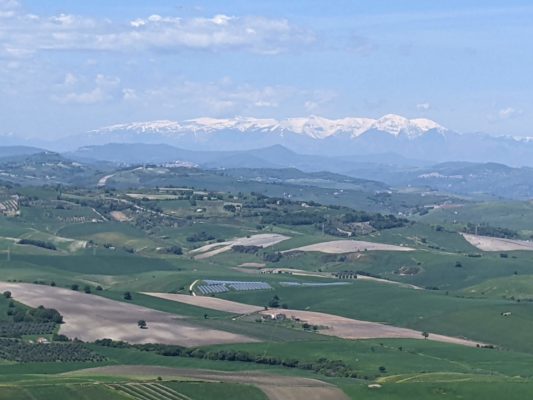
(486,243)
(276,387)
(90,317)
(349,246)
(261,240)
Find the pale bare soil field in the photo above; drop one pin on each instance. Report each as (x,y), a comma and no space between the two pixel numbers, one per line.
(349,246)
(261,240)
(119,216)
(332,325)
(90,317)
(152,196)
(252,265)
(347,328)
(486,243)
(212,303)
(387,282)
(276,387)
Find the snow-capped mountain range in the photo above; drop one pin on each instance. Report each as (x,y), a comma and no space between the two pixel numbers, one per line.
(417,139)
(315,127)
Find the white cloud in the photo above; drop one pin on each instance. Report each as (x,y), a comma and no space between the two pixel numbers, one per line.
(104,89)
(509,112)
(504,114)
(8,8)
(423,106)
(96,95)
(226,98)
(311,105)
(317,99)
(70,79)
(129,94)
(24,34)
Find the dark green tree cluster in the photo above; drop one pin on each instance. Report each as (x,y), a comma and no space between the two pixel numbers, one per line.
(488,230)
(200,237)
(246,249)
(377,221)
(324,366)
(20,351)
(38,243)
(19,329)
(292,218)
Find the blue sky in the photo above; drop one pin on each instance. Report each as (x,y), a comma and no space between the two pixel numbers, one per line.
(70,66)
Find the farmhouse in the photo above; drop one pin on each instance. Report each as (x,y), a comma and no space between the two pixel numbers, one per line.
(232,205)
(345,275)
(277,316)
(274,317)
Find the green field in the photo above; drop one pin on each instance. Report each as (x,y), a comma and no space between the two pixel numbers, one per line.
(123,391)
(461,290)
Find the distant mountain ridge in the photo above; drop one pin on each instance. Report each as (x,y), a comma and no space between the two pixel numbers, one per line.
(350,138)
(14,151)
(372,174)
(312,126)
(418,138)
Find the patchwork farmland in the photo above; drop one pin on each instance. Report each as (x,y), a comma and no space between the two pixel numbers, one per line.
(89,317)
(251,283)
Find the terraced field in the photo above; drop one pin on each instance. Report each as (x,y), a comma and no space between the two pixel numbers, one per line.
(276,387)
(148,391)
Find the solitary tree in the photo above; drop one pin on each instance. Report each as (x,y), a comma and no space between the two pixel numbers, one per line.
(274,302)
(127,296)
(7,294)
(425,334)
(142,324)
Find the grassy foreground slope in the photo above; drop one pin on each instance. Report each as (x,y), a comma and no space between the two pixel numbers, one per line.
(127,390)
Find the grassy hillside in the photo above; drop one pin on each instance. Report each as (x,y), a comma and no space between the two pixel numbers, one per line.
(137,237)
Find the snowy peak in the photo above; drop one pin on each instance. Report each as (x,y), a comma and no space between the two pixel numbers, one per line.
(313,126)
(319,127)
(160,126)
(396,125)
(242,124)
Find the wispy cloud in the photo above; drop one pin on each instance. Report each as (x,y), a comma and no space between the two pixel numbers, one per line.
(226,98)
(8,8)
(509,112)
(423,106)
(23,34)
(504,114)
(104,88)
(219,98)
